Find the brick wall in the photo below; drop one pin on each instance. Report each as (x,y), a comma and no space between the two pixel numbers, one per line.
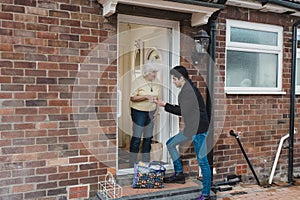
(57,79)
(263,119)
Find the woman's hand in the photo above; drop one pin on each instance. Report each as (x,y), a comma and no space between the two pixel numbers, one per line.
(160,103)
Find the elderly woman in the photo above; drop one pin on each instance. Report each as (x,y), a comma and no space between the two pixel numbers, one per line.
(144,90)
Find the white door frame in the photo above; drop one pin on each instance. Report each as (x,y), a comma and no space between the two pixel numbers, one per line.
(175,60)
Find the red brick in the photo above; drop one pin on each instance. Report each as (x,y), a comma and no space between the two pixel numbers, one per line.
(23,188)
(60,29)
(6,64)
(36,11)
(48,125)
(30,72)
(25,3)
(89,39)
(6,16)
(5,71)
(35,57)
(70,7)
(36,133)
(46,170)
(58,103)
(47,35)
(68,66)
(6,111)
(35,195)
(12,134)
(79,174)
(65,22)
(49,110)
(25,95)
(81,31)
(23,33)
(23,80)
(12,56)
(23,141)
(48,20)
(36,148)
(47,50)
(59,14)
(25,65)
(6,47)
(25,18)
(60,176)
(71,168)
(78,160)
(37,27)
(6,32)
(47,155)
(56,43)
(42,88)
(90,25)
(12,150)
(49,95)
(58,73)
(12,103)
(5,79)
(37,119)
(11,8)
(24,126)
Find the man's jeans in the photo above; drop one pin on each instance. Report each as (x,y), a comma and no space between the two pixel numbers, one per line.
(199,141)
(142,127)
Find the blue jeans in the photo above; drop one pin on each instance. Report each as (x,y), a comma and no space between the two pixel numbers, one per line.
(199,141)
(142,127)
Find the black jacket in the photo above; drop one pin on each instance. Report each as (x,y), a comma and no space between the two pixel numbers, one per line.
(192,108)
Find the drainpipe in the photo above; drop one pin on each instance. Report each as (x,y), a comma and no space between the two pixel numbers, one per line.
(210,89)
(210,84)
(292,106)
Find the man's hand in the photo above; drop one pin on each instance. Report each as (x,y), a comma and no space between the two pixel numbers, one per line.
(160,103)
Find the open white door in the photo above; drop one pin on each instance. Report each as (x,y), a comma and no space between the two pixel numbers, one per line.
(141,39)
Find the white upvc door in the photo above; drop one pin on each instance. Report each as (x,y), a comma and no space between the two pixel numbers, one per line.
(141,39)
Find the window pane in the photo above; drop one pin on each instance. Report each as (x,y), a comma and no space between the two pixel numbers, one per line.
(248,69)
(298,71)
(253,36)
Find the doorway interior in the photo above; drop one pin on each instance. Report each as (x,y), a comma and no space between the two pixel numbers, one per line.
(140,40)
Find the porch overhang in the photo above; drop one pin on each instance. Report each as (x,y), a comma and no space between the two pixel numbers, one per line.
(200,10)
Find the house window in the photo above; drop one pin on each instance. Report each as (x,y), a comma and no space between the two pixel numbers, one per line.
(253,58)
(298,64)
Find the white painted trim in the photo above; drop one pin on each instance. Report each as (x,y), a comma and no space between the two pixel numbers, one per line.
(297,56)
(245,47)
(200,16)
(263,92)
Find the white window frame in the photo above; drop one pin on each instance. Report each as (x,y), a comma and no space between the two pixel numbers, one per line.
(297,86)
(259,48)
(297,56)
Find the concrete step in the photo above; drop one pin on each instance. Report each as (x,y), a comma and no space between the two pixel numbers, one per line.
(188,193)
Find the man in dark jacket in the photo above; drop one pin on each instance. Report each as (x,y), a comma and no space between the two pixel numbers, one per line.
(192,108)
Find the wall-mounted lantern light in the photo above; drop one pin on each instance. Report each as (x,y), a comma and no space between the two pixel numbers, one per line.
(201,46)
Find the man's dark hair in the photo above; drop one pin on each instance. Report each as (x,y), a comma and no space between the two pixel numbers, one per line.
(179,71)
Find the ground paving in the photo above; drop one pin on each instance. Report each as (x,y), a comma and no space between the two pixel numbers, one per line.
(281,191)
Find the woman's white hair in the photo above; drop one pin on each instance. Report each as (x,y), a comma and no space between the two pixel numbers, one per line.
(149,67)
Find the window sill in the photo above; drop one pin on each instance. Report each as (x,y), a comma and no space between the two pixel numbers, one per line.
(257,92)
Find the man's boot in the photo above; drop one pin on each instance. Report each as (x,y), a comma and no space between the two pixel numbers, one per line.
(177,177)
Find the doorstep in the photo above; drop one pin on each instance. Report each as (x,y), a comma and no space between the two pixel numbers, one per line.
(188,191)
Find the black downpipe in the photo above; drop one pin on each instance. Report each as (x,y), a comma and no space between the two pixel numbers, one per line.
(211,86)
(292,106)
(210,89)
